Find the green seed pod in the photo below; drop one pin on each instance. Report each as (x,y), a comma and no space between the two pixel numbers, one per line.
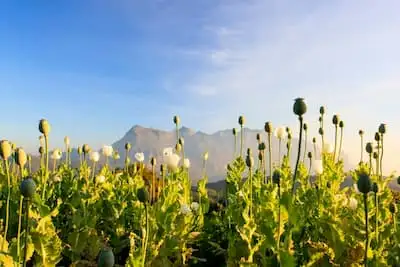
(305,127)
(13,146)
(335,119)
(258,137)
(322,110)
(106,258)
(320,119)
(178,148)
(127,161)
(375,155)
(44,127)
(392,208)
(382,128)
(328,184)
(143,195)
(321,131)
(86,148)
(289,136)
(361,132)
(249,151)
(341,124)
(153,161)
(375,188)
(369,148)
(268,127)
(28,187)
(377,137)
(177,120)
(276,177)
(79,150)
(20,157)
(261,146)
(299,107)
(287,130)
(41,150)
(5,149)
(260,155)
(69,149)
(309,155)
(249,161)
(234,132)
(314,140)
(162,168)
(128,146)
(181,141)
(364,183)
(241,120)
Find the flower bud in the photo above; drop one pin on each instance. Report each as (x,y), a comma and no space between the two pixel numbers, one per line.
(86,148)
(299,107)
(309,155)
(128,146)
(260,155)
(5,149)
(28,187)
(377,137)
(249,161)
(241,121)
(177,120)
(143,195)
(392,208)
(181,141)
(289,136)
(375,188)
(13,146)
(41,150)
(153,161)
(234,131)
(369,148)
(361,132)
(20,157)
(162,168)
(322,110)
(320,119)
(276,177)
(66,141)
(341,124)
(44,127)
(398,180)
(249,151)
(258,137)
(106,258)
(69,149)
(178,147)
(382,128)
(314,140)
(321,131)
(335,119)
(79,150)
(364,183)
(287,130)
(261,146)
(268,127)
(375,155)
(305,127)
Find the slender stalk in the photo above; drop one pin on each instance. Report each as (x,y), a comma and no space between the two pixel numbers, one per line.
(153,183)
(270,155)
(107,161)
(340,143)
(305,145)
(376,218)
(147,234)
(336,135)
(54,165)
(381,158)
(94,169)
(366,231)
(264,166)
(315,150)
(279,152)
(370,163)
(251,191)
(279,218)
(46,173)
(19,222)
(27,206)
(241,140)
(234,146)
(298,153)
(8,201)
(362,148)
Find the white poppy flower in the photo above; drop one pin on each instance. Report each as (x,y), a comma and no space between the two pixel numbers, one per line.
(195,206)
(94,156)
(100,179)
(185,209)
(353,203)
(318,166)
(139,156)
(280,133)
(328,148)
(108,151)
(172,161)
(168,151)
(57,154)
(186,163)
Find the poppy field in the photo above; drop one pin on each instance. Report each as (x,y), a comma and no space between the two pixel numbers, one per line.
(149,212)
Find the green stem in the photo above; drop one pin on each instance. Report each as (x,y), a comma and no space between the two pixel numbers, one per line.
(279,218)
(376,218)
(305,145)
(8,202)
(147,235)
(54,165)
(309,172)
(334,152)
(234,146)
(94,170)
(46,173)
(270,155)
(340,143)
(366,230)
(264,166)
(298,153)
(362,148)
(381,158)
(19,229)
(27,206)
(241,140)
(251,191)
(370,163)
(279,151)
(315,150)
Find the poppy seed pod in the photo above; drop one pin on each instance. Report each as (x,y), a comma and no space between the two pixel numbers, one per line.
(28,187)
(360,132)
(314,140)
(181,141)
(375,155)
(322,110)
(309,155)
(364,183)
(289,136)
(79,150)
(261,146)
(335,119)
(320,119)
(299,107)
(106,258)
(375,188)
(260,155)
(321,131)
(249,151)
(234,132)
(369,148)
(241,120)
(377,137)
(143,195)
(153,161)
(382,128)
(258,137)
(177,120)
(41,150)
(178,147)
(128,146)
(268,127)
(305,127)
(5,149)
(20,157)
(44,127)
(86,148)
(287,129)
(249,161)
(276,177)
(341,124)
(392,208)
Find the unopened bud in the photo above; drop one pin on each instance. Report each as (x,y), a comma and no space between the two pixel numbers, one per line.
(322,110)
(309,155)
(369,148)
(177,120)
(382,128)
(153,161)
(20,157)
(178,147)
(335,119)
(268,127)
(234,132)
(241,120)
(5,149)
(44,127)
(377,137)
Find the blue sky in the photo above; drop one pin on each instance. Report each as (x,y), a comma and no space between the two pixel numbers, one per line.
(96,68)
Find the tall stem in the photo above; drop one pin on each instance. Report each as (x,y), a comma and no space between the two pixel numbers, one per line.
(381,157)
(147,234)
(279,151)
(234,146)
(305,145)
(376,218)
(270,155)
(94,170)
(370,163)
(366,230)
(340,143)
(309,172)
(46,173)
(334,152)
(153,183)
(241,140)
(19,222)
(279,218)
(362,148)
(8,201)
(251,191)
(27,206)
(298,153)
(315,150)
